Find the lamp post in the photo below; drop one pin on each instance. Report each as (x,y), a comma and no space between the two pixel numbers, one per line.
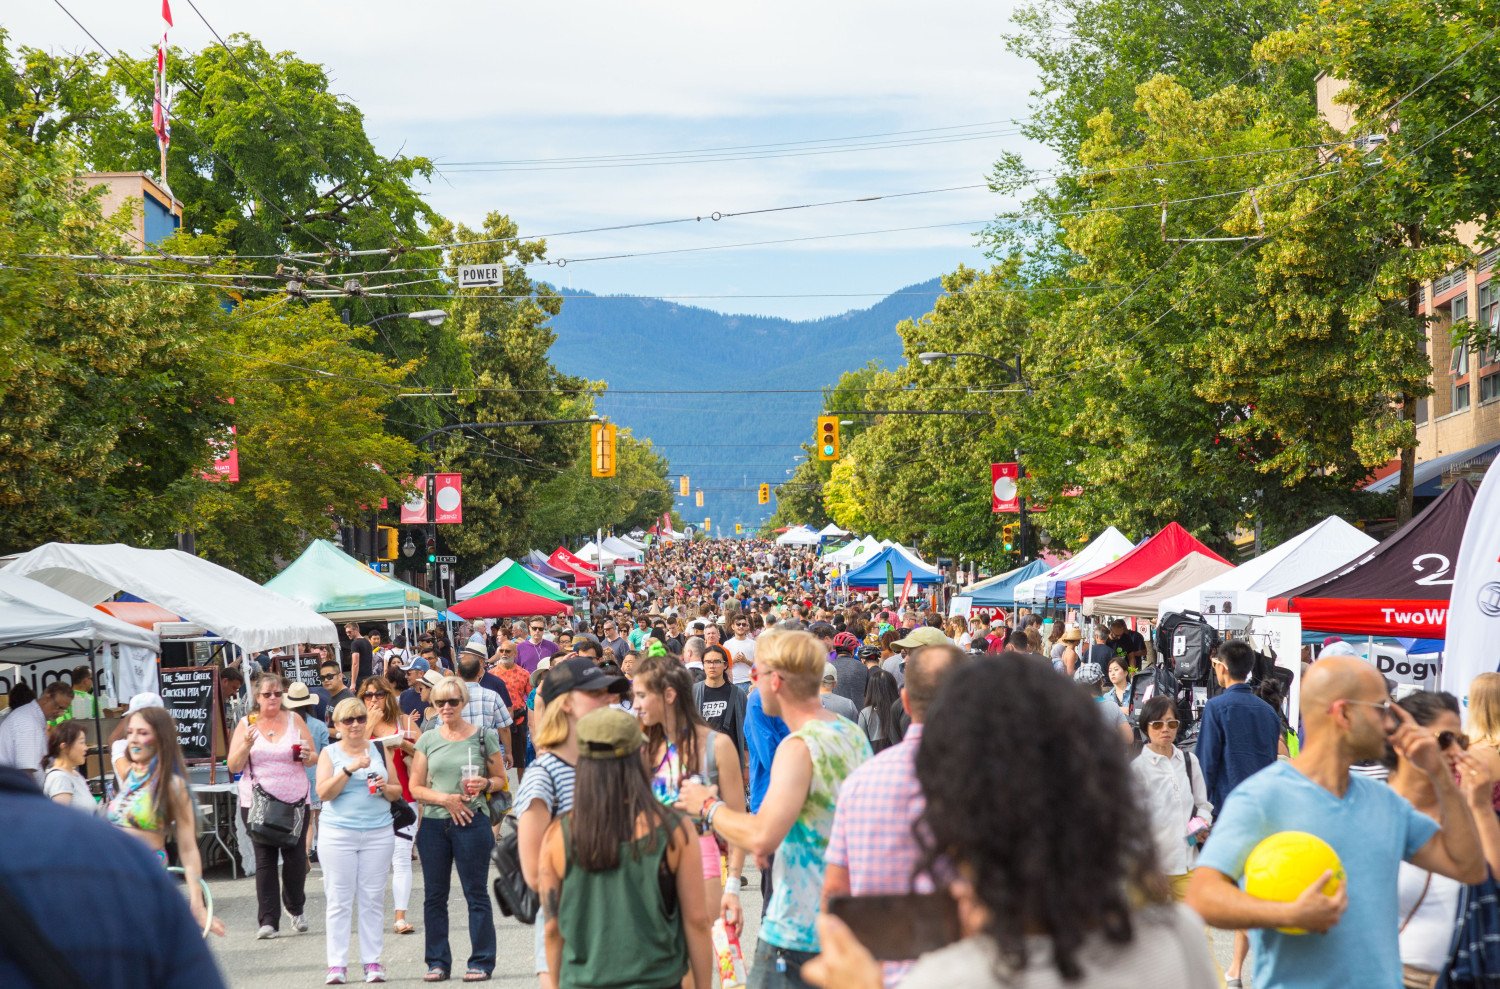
(932,356)
(432,317)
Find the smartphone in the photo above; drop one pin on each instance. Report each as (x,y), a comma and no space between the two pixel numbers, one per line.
(902,927)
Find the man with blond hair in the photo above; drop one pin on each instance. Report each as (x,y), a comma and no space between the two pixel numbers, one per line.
(796,816)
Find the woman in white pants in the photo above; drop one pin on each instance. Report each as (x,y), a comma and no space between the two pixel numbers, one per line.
(387,722)
(355,841)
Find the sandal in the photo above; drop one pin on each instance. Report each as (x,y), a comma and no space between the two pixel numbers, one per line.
(402,927)
(476,975)
(435,975)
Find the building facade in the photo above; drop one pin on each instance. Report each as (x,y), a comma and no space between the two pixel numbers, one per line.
(155,214)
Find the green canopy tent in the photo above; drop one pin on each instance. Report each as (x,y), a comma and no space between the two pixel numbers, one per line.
(509,573)
(335,584)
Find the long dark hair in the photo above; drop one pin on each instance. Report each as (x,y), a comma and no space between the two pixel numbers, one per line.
(170,771)
(656,674)
(609,797)
(1048,821)
(881,695)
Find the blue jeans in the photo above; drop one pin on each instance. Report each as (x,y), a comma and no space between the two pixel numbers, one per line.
(442,844)
(766,973)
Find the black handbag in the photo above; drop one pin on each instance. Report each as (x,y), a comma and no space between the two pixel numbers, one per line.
(514,897)
(402,816)
(275,822)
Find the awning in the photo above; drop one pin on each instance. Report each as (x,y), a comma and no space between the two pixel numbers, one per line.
(39,623)
(1431,476)
(507,602)
(1133,569)
(333,583)
(1143,600)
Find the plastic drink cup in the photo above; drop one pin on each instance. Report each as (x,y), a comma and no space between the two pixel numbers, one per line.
(296,751)
(467,776)
(372,781)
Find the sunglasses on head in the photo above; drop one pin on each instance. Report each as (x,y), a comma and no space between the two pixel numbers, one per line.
(1169,725)
(448,702)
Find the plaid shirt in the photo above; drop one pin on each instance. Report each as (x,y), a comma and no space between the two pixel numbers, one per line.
(485,708)
(872,824)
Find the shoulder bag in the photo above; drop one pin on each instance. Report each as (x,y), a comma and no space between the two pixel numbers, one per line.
(514,897)
(1474,956)
(498,800)
(271,820)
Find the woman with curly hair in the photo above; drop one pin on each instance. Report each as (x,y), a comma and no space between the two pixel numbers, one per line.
(1057,879)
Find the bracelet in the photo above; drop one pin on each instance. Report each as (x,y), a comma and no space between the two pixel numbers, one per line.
(708,819)
(705,813)
(733,884)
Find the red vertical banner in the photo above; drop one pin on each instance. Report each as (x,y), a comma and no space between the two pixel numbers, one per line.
(448,498)
(1004,496)
(414,509)
(906,586)
(226,452)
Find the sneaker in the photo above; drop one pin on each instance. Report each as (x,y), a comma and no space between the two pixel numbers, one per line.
(265,933)
(374,973)
(337,976)
(299,922)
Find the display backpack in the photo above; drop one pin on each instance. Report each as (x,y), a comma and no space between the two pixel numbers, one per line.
(1188,642)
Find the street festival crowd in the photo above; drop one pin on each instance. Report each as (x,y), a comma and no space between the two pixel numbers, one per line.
(925,802)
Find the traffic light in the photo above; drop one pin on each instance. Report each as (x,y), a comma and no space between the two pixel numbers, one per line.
(765,494)
(1008,535)
(432,549)
(828,437)
(707,523)
(602,448)
(700,498)
(387,543)
(682,486)
(738,528)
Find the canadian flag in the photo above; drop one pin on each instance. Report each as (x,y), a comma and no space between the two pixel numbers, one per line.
(161,104)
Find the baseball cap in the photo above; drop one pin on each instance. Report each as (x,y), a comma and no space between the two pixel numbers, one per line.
(923,636)
(297,695)
(1330,640)
(579,673)
(608,733)
(144,700)
(830,672)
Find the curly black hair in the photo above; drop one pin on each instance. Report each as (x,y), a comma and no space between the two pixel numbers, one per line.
(1029,791)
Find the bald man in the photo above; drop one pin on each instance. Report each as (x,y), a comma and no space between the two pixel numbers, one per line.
(1349,718)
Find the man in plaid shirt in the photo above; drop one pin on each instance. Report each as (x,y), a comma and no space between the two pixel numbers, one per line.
(486,709)
(871,849)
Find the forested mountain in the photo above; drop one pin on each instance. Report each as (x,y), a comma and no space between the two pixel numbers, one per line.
(731,434)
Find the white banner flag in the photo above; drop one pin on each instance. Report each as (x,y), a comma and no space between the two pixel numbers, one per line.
(1474,609)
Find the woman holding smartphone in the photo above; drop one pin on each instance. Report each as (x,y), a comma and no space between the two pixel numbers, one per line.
(354,840)
(456,766)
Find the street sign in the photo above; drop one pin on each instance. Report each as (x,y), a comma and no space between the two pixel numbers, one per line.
(446,559)
(443,571)
(480,275)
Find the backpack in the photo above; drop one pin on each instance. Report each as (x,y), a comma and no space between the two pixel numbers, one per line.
(1188,642)
(512,895)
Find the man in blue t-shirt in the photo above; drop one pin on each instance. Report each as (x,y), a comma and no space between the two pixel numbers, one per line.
(763,732)
(1349,718)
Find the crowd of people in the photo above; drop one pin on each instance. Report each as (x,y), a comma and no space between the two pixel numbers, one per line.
(725,712)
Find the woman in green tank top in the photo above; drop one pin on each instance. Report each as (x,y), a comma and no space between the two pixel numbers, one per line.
(620,880)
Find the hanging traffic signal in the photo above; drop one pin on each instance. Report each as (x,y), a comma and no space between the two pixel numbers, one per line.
(707,523)
(828,437)
(602,447)
(386,543)
(1008,536)
(700,498)
(683,488)
(738,528)
(765,494)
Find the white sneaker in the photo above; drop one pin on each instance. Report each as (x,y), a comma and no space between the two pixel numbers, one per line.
(265,933)
(299,922)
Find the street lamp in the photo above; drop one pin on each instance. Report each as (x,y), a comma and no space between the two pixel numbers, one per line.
(432,317)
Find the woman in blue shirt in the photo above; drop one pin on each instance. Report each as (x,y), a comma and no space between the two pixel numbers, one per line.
(355,840)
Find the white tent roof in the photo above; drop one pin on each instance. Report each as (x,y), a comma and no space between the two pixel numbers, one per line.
(798,536)
(855,552)
(622,549)
(484,580)
(36,621)
(1324,548)
(832,530)
(1143,600)
(639,546)
(234,607)
(1106,547)
(592,552)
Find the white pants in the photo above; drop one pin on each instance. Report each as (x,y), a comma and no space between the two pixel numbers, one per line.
(355,864)
(401,862)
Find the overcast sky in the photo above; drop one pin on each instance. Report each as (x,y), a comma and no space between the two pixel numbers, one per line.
(486,82)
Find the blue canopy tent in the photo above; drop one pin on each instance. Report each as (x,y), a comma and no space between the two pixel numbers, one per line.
(1000,593)
(872,573)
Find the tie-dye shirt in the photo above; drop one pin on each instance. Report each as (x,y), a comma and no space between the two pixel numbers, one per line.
(837,747)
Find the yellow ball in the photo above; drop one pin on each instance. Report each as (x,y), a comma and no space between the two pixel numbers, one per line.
(1282,866)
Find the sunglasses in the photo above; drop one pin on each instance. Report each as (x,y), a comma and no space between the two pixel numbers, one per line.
(277,693)
(328,676)
(538,628)
(358,719)
(1448,738)
(1169,725)
(448,702)
(374,693)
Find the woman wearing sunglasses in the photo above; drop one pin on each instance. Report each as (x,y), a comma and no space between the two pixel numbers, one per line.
(386,723)
(455,768)
(1427,903)
(1171,785)
(271,748)
(355,840)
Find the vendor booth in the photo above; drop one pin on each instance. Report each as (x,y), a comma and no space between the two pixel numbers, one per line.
(799,536)
(875,573)
(542,567)
(1051,585)
(999,591)
(1145,561)
(508,602)
(1143,600)
(335,584)
(509,573)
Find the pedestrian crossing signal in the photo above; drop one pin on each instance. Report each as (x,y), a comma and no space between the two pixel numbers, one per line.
(828,437)
(765,494)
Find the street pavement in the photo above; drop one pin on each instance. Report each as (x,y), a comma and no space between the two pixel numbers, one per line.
(298,959)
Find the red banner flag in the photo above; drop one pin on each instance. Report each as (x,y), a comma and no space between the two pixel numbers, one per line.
(226,456)
(448,498)
(1004,496)
(414,509)
(906,586)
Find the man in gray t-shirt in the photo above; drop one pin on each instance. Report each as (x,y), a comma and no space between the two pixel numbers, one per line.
(842,706)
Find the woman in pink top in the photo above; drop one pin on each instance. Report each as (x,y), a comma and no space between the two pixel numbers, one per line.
(272,747)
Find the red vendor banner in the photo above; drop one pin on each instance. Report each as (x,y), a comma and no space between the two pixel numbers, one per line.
(1004,496)
(226,452)
(448,498)
(414,509)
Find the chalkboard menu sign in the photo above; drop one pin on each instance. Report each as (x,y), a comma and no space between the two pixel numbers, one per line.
(301,669)
(191,695)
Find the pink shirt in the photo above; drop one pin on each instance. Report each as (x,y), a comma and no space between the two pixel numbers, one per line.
(272,766)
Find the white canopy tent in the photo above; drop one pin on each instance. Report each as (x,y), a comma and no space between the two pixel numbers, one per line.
(235,608)
(630,541)
(1105,548)
(623,549)
(832,530)
(1326,547)
(38,622)
(856,552)
(798,536)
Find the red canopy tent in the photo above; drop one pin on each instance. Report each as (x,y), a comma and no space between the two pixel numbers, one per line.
(583,574)
(1400,587)
(507,602)
(1133,569)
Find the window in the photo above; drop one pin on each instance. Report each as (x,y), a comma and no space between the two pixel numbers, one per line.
(1486,320)
(1458,365)
(1422,408)
(1489,387)
(1460,310)
(1460,397)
